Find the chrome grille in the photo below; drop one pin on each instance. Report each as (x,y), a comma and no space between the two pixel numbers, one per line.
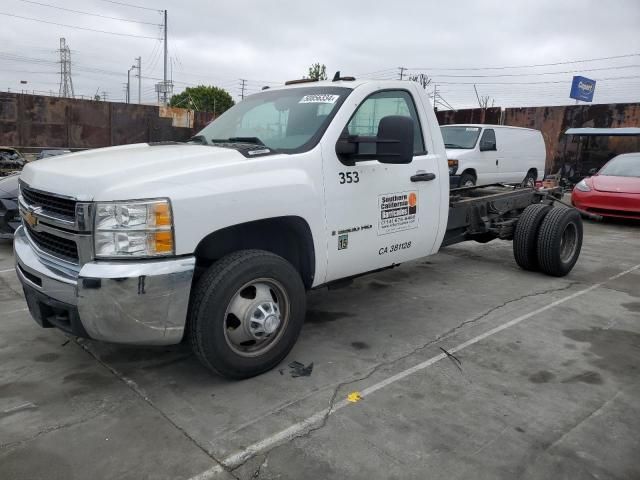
(54,245)
(49,203)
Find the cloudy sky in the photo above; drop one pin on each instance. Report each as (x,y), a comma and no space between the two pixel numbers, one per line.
(495,45)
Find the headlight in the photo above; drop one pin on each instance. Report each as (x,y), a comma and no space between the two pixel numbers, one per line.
(453,166)
(133,229)
(582,186)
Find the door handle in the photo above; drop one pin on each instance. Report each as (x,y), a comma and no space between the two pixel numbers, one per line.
(423,177)
(496,163)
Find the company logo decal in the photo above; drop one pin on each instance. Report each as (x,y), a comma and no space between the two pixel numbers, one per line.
(398,212)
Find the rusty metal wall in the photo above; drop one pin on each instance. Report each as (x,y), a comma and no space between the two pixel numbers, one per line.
(554,121)
(32,121)
(470,115)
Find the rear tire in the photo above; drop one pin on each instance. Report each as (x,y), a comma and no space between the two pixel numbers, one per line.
(525,237)
(467,180)
(559,241)
(246,313)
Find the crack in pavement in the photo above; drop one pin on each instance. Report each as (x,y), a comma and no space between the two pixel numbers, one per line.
(53,428)
(133,386)
(332,402)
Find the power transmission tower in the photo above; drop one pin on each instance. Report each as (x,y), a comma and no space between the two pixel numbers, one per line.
(242,87)
(66,83)
(402,69)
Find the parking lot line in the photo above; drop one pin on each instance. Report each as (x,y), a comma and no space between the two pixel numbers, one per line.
(8,270)
(292,431)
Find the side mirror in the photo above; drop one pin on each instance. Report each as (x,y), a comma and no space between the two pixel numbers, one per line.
(393,144)
(487,145)
(395,140)
(593,171)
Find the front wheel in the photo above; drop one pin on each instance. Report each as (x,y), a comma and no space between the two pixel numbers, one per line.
(467,180)
(530,180)
(246,313)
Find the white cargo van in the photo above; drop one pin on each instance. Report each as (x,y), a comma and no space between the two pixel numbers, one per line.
(486,154)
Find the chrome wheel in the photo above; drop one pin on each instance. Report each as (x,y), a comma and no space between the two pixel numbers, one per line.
(468,183)
(529,182)
(568,243)
(256,317)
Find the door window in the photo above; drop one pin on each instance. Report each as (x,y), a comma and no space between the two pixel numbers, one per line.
(488,140)
(382,104)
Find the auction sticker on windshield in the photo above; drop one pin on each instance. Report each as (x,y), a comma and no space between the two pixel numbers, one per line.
(398,212)
(319,98)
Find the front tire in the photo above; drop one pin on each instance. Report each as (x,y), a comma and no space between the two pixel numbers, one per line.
(530,180)
(467,180)
(246,313)
(560,241)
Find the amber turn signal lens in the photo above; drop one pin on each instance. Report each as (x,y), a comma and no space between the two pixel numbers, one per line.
(162,214)
(162,242)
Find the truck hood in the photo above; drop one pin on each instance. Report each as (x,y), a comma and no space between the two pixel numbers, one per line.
(92,173)
(456,153)
(608,183)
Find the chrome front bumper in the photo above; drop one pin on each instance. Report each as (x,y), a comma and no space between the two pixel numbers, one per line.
(140,302)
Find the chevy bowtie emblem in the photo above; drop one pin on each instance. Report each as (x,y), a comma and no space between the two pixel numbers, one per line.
(30,219)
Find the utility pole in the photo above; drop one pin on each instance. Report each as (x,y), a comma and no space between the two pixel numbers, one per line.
(402,69)
(129,83)
(139,67)
(164,97)
(242,87)
(66,83)
(435,97)
(104,96)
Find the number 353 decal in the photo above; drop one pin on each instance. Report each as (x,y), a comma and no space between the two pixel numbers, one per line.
(349,177)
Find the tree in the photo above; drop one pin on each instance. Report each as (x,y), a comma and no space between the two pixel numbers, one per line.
(318,72)
(422,79)
(204,99)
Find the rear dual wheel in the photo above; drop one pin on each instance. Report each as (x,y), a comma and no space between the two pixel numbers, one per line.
(559,241)
(548,239)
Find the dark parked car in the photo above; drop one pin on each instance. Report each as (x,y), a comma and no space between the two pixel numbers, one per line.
(10,161)
(9,215)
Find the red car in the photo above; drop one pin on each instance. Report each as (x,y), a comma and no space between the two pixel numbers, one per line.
(612,192)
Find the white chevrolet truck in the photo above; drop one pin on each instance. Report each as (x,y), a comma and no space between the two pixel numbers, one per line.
(215,241)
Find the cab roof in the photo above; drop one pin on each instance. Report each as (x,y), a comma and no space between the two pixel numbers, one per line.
(352,84)
(487,125)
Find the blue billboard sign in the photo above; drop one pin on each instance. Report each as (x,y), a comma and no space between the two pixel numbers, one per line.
(582,88)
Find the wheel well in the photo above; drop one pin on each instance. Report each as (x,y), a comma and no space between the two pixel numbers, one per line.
(534,171)
(289,237)
(470,171)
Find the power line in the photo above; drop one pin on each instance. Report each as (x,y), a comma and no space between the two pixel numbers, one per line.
(619,67)
(132,6)
(89,13)
(76,27)
(530,83)
(532,66)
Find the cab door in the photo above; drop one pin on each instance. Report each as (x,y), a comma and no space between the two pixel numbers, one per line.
(376,214)
(490,158)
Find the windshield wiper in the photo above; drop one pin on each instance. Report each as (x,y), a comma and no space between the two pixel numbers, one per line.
(254,140)
(201,139)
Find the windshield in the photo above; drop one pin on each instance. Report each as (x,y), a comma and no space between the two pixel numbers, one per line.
(460,137)
(289,120)
(622,166)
